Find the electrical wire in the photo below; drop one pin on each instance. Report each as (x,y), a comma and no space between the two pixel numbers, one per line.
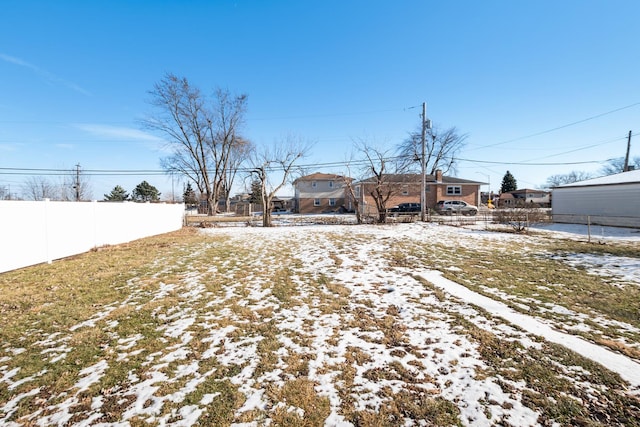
(355,163)
(558,127)
(489,162)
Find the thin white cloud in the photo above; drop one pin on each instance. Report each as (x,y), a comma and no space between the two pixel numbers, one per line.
(52,78)
(117,132)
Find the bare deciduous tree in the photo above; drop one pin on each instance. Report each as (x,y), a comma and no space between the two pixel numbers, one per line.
(441,148)
(379,167)
(237,157)
(38,188)
(571,177)
(616,165)
(279,160)
(203,134)
(229,150)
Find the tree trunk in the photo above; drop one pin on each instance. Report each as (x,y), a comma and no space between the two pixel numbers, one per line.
(266,218)
(382,216)
(266,214)
(358,213)
(211,205)
(266,204)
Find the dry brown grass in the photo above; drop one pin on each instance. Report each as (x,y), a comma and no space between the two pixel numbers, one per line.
(39,301)
(532,278)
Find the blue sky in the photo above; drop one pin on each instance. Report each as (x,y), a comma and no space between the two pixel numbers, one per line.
(75,76)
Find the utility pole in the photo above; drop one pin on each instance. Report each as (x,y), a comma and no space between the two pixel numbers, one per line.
(77,186)
(426,124)
(626,159)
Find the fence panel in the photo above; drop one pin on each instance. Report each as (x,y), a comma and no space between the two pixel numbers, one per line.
(597,219)
(36,232)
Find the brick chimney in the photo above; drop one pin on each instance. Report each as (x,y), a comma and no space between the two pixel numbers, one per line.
(439,175)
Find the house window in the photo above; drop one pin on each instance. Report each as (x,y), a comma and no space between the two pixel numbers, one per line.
(332,202)
(330,184)
(405,190)
(358,192)
(314,184)
(454,190)
(316,202)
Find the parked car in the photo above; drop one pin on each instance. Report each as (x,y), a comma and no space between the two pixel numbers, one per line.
(449,207)
(406,208)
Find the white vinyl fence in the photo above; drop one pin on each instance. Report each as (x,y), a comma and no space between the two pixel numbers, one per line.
(37,232)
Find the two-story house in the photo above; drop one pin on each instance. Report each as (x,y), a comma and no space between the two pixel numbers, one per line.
(321,192)
(406,188)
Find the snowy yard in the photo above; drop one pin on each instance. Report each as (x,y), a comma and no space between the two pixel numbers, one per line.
(407,324)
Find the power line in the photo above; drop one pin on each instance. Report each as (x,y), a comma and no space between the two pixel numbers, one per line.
(356,163)
(597,144)
(559,127)
(531,164)
(317,116)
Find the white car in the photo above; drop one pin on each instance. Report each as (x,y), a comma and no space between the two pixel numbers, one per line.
(449,207)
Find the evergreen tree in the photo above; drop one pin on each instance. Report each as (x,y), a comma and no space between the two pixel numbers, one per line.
(145,192)
(118,194)
(256,192)
(189,196)
(508,183)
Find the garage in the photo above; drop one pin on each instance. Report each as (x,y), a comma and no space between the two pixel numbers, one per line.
(610,200)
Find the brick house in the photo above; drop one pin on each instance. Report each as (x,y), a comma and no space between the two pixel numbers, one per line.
(405,188)
(321,192)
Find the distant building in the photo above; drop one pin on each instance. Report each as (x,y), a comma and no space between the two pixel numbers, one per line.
(406,188)
(540,198)
(320,193)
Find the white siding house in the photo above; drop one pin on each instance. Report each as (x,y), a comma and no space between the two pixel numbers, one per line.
(611,200)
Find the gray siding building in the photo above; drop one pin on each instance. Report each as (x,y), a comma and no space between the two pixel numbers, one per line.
(610,200)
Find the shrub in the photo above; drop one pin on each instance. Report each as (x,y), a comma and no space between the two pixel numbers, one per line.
(521,216)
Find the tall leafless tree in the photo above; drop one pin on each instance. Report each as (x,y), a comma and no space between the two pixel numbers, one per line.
(228,148)
(239,155)
(38,188)
(378,169)
(614,166)
(441,149)
(274,167)
(203,133)
(571,177)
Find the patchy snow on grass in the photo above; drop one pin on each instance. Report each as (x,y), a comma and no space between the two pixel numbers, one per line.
(365,332)
(626,367)
(618,270)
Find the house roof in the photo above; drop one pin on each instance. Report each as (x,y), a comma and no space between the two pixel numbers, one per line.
(318,176)
(631,177)
(528,191)
(416,178)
